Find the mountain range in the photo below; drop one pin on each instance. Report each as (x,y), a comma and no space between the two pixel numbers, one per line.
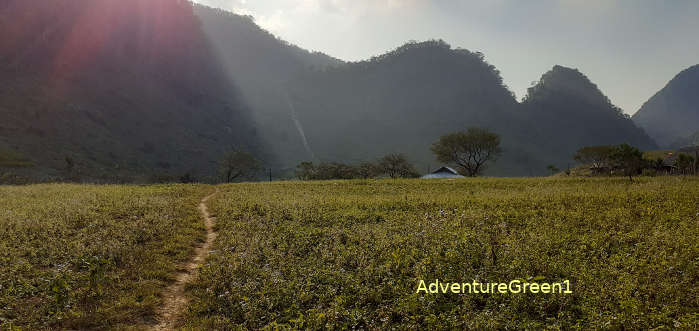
(671,116)
(131,90)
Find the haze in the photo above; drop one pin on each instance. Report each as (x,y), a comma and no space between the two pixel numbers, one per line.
(629,48)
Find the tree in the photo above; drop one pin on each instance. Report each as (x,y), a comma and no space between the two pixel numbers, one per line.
(628,158)
(305,171)
(335,170)
(368,170)
(187,178)
(552,168)
(396,166)
(470,151)
(656,164)
(70,164)
(237,164)
(325,171)
(685,163)
(597,157)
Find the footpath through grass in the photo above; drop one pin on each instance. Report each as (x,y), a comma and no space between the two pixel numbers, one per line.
(350,254)
(84,256)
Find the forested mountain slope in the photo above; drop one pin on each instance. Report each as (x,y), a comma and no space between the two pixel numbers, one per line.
(404,100)
(135,88)
(566,111)
(109,89)
(671,116)
(261,65)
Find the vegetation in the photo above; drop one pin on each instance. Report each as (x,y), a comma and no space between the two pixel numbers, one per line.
(133,102)
(670,116)
(399,101)
(629,161)
(391,165)
(598,157)
(470,151)
(12,159)
(91,257)
(396,166)
(627,158)
(324,171)
(236,165)
(686,163)
(552,168)
(350,254)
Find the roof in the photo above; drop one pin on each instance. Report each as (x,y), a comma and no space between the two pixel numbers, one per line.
(443,172)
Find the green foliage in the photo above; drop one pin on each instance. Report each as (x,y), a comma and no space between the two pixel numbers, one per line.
(597,157)
(627,158)
(367,170)
(325,171)
(350,254)
(391,165)
(396,166)
(552,168)
(91,257)
(13,159)
(685,163)
(237,165)
(469,150)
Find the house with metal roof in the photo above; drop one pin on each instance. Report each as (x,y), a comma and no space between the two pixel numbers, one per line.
(443,172)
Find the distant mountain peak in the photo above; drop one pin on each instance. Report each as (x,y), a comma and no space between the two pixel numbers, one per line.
(569,82)
(431,47)
(672,114)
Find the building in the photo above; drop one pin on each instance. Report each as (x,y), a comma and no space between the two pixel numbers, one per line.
(443,172)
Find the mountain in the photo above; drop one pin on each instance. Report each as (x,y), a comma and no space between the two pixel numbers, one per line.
(122,90)
(261,65)
(399,102)
(115,90)
(404,100)
(566,111)
(672,115)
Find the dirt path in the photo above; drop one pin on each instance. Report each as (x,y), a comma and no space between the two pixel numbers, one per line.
(174,298)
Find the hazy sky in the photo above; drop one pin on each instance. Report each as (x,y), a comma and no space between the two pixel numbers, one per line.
(629,48)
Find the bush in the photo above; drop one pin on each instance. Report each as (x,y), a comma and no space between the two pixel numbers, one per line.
(649,172)
(391,165)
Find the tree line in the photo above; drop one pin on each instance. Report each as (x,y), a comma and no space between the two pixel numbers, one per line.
(391,165)
(470,152)
(630,161)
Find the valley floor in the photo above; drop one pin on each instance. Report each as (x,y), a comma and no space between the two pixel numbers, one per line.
(351,254)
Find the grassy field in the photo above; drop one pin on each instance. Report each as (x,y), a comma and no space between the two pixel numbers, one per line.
(82,256)
(350,254)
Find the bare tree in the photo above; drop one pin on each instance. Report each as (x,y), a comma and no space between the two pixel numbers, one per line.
(397,166)
(237,164)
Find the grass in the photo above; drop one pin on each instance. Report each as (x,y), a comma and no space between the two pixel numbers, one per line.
(350,254)
(83,256)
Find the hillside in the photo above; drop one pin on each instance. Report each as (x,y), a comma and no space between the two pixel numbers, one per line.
(566,111)
(115,89)
(671,116)
(401,101)
(404,100)
(133,90)
(260,65)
